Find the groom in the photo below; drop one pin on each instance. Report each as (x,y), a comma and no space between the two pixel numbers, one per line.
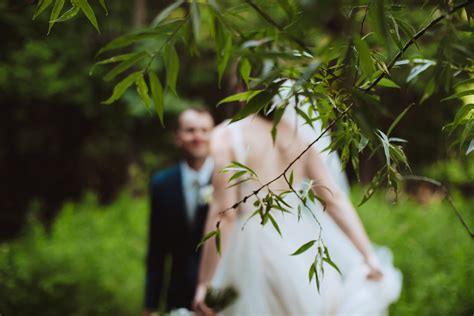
(179,197)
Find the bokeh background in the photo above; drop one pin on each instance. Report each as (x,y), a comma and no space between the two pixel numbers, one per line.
(73,195)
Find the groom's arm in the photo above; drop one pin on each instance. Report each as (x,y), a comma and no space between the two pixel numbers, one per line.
(155,255)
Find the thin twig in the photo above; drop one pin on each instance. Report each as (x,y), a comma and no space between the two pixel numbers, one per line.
(273,23)
(392,63)
(363,21)
(245,198)
(448,198)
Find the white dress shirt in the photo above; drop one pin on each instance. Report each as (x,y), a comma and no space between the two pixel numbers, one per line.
(193,181)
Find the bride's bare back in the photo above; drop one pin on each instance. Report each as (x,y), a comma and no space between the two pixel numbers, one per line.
(266,158)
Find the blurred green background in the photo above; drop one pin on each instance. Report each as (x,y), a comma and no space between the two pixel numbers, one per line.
(73,201)
(90,262)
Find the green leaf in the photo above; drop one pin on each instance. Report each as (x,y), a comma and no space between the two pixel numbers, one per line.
(257,103)
(429,89)
(237,175)
(464,115)
(378,21)
(245,69)
(279,199)
(240,166)
(142,89)
(171,60)
(242,96)
(157,95)
(166,12)
(104,6)
(69,14)
(42,6)
(311,196)
(291,178)
(327,258)
(396,33)
(398,155)
(417,70)
(122,86)
(459,95)
(128,39)
(238,182)
(470,149)
(384,82)
(316,276)
(88,12)
(205,238)
(467,81)
(385,143)
(196,19)
(58,7)
(287,6)
(407,29)
(126,64)
(224,56)
(374,183)
(307,74)
(311,272)
(304,247)
(111,60)
(398,119)
(365,59)
(275,224)
(332,264)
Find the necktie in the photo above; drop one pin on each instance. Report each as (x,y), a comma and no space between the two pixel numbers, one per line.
(195,204)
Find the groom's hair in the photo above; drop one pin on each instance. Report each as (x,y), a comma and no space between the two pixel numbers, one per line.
(196,108)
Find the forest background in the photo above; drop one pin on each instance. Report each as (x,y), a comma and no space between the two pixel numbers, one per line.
(75,172)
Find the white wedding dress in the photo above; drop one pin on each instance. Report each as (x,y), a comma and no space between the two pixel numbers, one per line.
(258,264)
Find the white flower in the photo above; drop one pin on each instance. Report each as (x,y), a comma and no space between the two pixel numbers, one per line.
(205,194)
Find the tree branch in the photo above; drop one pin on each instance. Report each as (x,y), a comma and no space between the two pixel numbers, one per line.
(245,198)
(342,114)
(273,23)
(448,198)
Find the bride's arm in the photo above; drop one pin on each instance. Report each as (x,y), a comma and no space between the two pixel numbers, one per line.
(222,198)
(340,208)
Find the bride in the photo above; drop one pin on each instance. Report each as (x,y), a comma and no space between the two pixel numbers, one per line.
(256,260)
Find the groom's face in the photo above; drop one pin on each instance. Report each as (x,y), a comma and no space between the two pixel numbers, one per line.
(194,133)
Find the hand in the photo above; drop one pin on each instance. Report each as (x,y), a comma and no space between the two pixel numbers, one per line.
(148,312)
(375,270)
(199,304)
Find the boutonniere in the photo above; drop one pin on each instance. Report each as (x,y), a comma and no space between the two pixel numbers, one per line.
(205,194)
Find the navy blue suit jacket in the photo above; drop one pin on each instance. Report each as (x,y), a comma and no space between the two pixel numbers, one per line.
(172,233)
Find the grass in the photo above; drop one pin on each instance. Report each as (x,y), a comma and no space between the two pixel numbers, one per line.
(91,262)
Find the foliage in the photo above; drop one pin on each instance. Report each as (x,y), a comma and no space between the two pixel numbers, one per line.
(456,172)
(437,267)
(72,269)
(277,50)
(338,78)
(56,140)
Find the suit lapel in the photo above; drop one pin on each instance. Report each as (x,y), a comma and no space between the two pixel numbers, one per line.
(180,202)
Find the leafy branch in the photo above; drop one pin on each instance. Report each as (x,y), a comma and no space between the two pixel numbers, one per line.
(415,38)
(288,167)
(410,42)
(280,28)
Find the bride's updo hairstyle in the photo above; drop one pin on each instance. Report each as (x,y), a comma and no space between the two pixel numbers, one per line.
(235,85)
